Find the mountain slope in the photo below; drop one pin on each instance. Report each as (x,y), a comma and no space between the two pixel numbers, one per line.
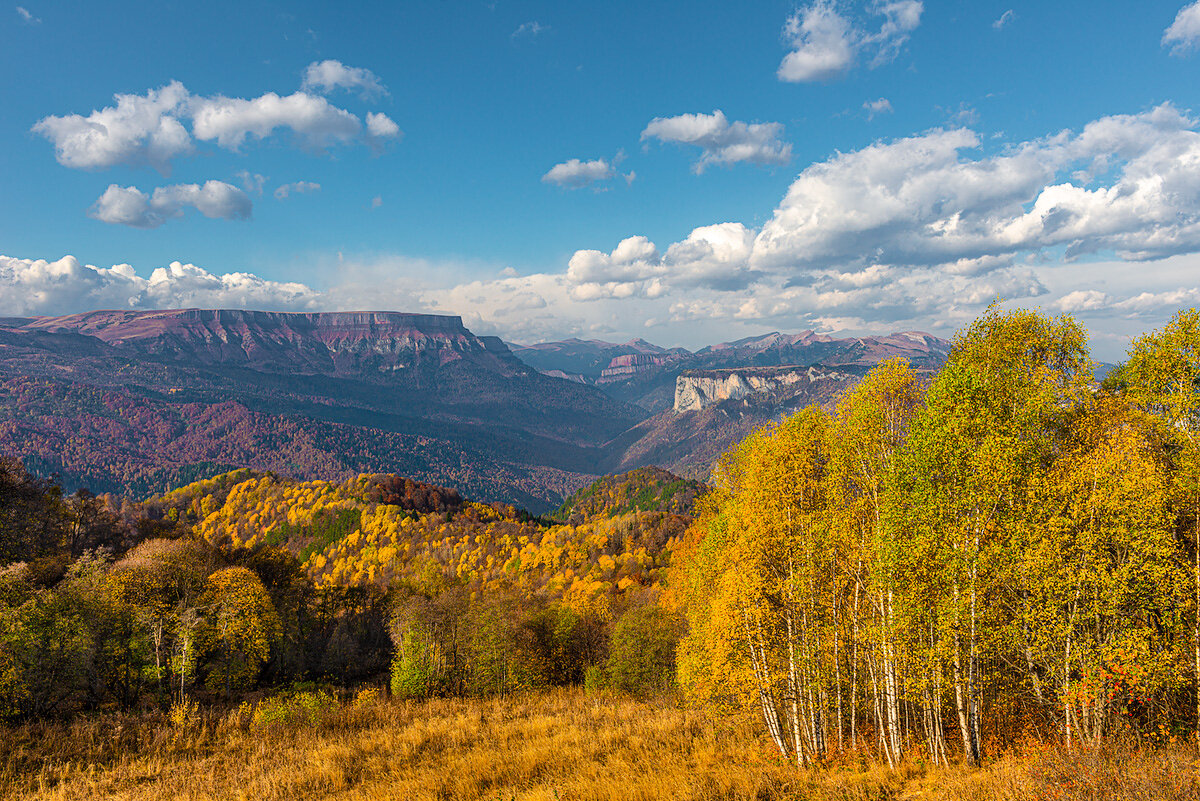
(402,365)
(646,489)
(385,391)
(590,361)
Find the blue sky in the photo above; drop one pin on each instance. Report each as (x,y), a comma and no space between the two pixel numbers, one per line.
(724,169)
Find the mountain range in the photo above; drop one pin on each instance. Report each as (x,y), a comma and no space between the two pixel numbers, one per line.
(645,374)
(134,402)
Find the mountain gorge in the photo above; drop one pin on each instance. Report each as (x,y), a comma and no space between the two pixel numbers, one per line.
(136,402)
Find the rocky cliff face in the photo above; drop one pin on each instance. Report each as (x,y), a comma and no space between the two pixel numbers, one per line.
(699,389)
(327,343)
(622,367)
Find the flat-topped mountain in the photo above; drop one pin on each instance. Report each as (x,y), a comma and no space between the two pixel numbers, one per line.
(358,344)
(370,392)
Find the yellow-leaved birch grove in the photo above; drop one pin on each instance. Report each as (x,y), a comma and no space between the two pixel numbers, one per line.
(948,561)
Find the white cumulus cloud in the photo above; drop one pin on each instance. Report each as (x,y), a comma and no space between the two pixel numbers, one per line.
(825,43)
(36,286)
(152,129)
(139,130)
(128,205)
(182,285)
(1184,33)
(1083,300)
(27,16)
(722,141)
(328,75)
(925,200)
(574,173)
(631,269)
(713,256)
(230,120)
(381,127)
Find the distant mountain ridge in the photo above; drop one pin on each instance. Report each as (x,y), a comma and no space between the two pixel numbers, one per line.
(645,374)
(589,359)
(329,343)
(137,401)
(422,388)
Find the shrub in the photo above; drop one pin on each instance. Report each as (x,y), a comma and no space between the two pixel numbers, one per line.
(415,667)
(366,697)
(308,707)
(594,680)
(642,658)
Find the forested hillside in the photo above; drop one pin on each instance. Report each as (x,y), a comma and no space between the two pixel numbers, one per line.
(248,580)
(642,490)
(113,441)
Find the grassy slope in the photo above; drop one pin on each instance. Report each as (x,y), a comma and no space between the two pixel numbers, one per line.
(561,745)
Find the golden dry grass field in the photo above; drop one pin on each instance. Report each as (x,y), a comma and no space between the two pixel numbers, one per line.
(543,747)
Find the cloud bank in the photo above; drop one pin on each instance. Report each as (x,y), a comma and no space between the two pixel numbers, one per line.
(32,287)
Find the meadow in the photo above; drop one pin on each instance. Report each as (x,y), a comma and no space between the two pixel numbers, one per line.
(560,744)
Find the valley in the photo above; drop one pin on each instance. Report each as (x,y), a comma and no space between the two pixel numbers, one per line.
(137,402)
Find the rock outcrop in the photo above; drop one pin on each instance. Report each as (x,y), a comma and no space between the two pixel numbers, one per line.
(699,389)
(621,367)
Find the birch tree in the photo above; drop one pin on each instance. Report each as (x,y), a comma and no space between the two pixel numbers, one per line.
(761,591)
(871,424)
(1162,376)
(1103,577)
(993,421)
